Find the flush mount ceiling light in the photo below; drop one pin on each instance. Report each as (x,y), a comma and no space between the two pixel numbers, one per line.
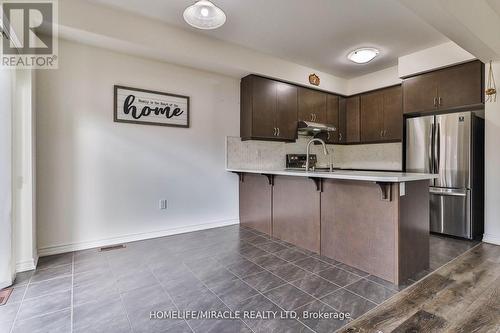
(204,15)
(363,55)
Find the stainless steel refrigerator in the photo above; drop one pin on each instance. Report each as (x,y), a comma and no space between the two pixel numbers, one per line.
(452,146)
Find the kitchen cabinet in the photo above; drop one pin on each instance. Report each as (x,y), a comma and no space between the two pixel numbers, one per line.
(352,120)
(286,111)
(333,118)
(387,238)
(382,115)
(393,114)
(296,212)
(420,93)
(344,219)
(312,105)
(255,202)
(458,86)
(372,116)
(342,120)
(461,85)
(268,109)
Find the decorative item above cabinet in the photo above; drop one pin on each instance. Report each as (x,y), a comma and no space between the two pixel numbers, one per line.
(453,88)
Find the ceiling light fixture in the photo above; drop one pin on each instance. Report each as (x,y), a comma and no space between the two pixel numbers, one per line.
(204,15)
(363,55)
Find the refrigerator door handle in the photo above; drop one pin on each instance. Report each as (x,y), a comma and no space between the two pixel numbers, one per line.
(430,158)
(437,147)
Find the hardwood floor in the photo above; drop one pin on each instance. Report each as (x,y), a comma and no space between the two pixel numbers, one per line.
(462,296)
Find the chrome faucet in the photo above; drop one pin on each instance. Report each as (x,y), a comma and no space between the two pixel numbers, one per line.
(325,151)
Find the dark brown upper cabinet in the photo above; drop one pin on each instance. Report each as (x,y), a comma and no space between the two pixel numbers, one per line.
(268,109)
(382,115)
(333,118)
(372,116)
(312,105)
(393,114)
(352,120)
(286,112)
(454,87)
(341,129)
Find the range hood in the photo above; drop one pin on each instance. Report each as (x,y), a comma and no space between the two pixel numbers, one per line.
(312,128)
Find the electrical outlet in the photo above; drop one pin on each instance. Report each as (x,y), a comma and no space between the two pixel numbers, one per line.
(163,204)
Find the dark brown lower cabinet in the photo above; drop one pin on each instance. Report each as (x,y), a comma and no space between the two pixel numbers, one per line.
(349,221)
(389,239)
(255,202)
(296,212)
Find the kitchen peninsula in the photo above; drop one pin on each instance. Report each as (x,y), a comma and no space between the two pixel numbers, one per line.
(375,221)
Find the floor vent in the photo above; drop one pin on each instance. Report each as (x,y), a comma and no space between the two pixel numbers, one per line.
(111,248)
(4,295)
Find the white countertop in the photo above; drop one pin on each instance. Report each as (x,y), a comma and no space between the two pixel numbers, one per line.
(370,176)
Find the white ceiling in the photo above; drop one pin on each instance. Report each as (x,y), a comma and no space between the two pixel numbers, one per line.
(315,33)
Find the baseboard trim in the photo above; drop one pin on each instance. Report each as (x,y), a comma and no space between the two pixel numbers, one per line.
(50,250)
(26,265)
(492,239)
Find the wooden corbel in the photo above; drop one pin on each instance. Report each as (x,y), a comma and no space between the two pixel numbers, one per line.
(386,189)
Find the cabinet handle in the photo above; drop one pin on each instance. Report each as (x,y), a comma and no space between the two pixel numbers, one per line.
(340,136)
(278,131)
(312,117)
(274,131)
(440,101)
(328,135)
(435,101)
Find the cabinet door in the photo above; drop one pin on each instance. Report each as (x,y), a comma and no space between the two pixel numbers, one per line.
(352,120)
(312,105)
(332,117)
(460,85)
(342,120)
(360,232)
(286,113)
(296,212)
(372,116)
(420,93)
(255,202)
(246,107)
(263,107)
(393,114)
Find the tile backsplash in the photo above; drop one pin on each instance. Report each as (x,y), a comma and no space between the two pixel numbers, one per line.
(269,155)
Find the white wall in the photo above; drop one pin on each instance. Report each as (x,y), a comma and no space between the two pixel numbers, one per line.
(24,215)
(133,34)
(6,248)
(492,191)
(432,58)
(380,79)
(99,182)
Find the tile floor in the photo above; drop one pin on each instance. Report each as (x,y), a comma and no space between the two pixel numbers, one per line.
(230,268)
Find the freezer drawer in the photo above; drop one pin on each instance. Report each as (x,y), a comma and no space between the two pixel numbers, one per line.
(450,211)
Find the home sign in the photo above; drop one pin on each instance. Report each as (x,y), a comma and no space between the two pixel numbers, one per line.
(147,107)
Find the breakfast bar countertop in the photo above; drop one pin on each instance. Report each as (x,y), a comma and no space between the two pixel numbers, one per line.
(370,176)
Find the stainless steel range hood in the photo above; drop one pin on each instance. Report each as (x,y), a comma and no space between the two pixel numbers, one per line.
(312,128)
